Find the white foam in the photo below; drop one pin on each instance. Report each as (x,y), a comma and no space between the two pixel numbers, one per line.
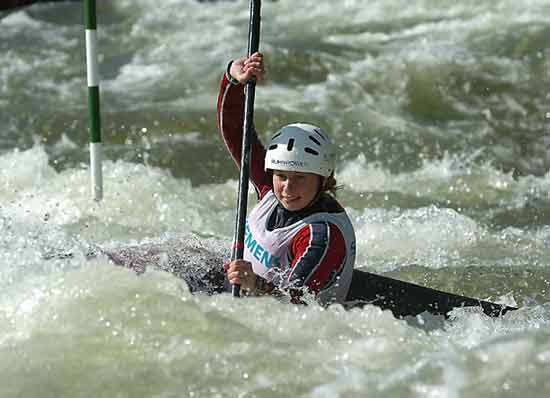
(20,19)
(452,176)
(136,196)
(429,236)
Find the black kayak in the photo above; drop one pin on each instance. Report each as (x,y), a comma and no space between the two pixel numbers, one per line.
(202,270)
(408,299)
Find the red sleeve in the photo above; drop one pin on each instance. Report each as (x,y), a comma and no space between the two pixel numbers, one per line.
(230,124)
(319,251)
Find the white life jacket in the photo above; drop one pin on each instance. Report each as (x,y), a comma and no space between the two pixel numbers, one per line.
(270,251)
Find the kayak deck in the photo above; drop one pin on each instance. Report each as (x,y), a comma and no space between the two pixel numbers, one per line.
(408,299)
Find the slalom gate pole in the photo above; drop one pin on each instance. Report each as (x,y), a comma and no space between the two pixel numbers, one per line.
(93,99)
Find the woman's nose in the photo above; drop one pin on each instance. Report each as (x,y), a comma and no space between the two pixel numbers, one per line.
(289,185)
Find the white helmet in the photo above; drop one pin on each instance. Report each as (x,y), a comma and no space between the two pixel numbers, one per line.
(301,147)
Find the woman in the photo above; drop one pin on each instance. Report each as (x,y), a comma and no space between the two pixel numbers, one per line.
(297,236)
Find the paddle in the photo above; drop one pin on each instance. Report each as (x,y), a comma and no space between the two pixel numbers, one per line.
(250,92)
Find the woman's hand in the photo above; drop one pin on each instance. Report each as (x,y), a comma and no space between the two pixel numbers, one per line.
(243,69)
(239,272)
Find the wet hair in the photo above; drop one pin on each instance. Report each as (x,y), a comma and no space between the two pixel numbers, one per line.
(330,185)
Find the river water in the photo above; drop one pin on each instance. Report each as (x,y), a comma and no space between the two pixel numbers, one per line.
(441,112)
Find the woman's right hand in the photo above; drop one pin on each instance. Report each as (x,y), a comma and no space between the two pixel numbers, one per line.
(240,272)
(243,69)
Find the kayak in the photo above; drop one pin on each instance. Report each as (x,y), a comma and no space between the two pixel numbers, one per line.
(203,271)
(408,299)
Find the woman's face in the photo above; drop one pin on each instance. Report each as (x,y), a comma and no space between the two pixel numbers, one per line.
(295,190)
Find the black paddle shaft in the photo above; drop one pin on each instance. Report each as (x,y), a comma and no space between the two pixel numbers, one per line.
(250,92)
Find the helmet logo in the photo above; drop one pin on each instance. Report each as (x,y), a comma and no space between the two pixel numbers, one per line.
(288,163)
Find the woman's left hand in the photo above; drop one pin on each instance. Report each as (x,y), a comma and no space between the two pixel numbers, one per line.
(243,69)
(239,272)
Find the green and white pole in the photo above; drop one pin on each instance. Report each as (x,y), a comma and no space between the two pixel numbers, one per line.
(93,99)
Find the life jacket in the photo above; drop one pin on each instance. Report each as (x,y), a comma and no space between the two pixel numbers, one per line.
(270,252)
